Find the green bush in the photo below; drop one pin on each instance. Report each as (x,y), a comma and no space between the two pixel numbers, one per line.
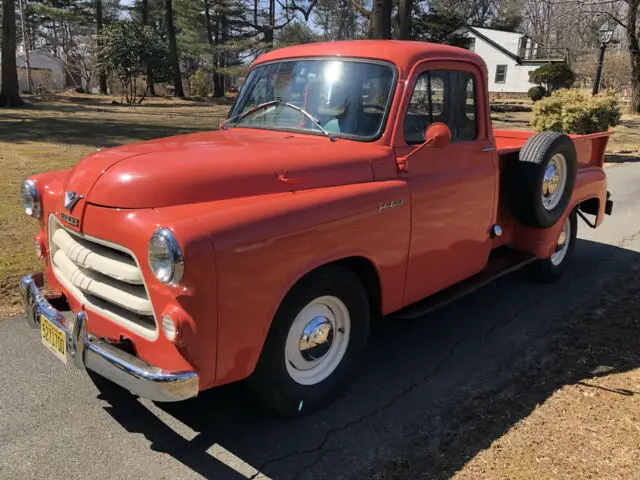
(554,76)
(199,84)
(537,93)
(576,111)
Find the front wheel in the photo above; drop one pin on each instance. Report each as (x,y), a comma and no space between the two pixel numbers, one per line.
(549,269)
(317,338)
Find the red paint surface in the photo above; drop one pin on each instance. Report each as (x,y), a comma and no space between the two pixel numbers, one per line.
(256,210)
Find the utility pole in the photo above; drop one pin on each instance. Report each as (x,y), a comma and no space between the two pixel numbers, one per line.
(25,45)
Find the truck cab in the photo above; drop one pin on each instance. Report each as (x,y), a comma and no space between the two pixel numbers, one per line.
(350,180)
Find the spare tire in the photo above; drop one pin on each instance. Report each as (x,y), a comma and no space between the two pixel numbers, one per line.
(545,176)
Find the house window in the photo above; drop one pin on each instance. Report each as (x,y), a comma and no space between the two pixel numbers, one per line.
(472,45)
(501,74)
(447,96)
(522,47)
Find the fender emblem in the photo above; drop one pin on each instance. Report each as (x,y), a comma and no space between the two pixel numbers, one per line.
(70,220)
(392,204)
(70,199)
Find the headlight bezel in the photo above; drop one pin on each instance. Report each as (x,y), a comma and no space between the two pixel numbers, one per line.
(33,207)
(163,237)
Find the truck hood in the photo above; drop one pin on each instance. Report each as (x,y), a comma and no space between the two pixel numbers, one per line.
(210,166)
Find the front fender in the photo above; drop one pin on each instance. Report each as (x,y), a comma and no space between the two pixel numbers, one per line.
(264,245)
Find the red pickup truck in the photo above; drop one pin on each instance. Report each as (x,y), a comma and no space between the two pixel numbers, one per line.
(350,180)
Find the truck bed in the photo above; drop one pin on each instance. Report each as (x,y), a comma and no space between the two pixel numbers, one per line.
(590,148)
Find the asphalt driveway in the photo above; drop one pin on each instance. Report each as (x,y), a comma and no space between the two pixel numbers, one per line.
(55,423)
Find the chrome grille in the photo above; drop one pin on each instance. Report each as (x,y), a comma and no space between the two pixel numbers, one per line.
(102,276)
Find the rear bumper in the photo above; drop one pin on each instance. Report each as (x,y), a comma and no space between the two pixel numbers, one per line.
(101,356)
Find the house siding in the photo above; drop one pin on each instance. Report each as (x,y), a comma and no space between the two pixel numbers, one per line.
(517,80)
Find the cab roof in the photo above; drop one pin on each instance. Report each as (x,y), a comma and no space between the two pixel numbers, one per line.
(404,54)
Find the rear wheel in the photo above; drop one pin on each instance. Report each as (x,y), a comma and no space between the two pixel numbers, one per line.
(317,338)
(549,269)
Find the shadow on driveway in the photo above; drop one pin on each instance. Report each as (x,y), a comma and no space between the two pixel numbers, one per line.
(417,379)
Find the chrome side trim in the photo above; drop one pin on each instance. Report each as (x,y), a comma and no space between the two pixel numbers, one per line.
(100,356)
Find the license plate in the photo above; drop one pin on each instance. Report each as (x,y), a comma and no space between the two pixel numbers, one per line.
(53,338)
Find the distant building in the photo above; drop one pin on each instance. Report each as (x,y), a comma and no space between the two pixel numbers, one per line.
(46,70)
(509,57)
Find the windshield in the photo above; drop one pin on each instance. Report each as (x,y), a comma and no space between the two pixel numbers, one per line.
(347,98)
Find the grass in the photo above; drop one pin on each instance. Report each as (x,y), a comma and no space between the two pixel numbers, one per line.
(570,409)
(50,135)
(54,134)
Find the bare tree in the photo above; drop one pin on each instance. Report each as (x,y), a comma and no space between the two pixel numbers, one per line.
(10,92)
(623,13)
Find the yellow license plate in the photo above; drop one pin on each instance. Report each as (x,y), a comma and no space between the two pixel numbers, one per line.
(53,338)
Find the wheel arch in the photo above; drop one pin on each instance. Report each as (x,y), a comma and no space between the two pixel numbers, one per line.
(363,267)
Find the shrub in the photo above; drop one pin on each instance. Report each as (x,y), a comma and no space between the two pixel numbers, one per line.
(554,76)
(199,84)
(537,93)
(576,111)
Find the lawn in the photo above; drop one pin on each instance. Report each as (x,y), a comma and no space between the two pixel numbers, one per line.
(57,133)
(49,135)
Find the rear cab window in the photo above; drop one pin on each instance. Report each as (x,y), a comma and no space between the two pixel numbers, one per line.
(447,96)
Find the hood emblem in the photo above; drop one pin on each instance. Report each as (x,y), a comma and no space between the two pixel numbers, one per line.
(70,199)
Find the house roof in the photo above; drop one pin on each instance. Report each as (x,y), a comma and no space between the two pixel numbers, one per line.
(496,45)
(477,31)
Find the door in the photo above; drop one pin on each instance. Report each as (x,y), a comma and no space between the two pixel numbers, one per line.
(453,188)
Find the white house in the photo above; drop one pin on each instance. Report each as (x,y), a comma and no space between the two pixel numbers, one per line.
(509,57)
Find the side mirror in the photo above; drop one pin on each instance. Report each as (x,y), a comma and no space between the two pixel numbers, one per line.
(436,135)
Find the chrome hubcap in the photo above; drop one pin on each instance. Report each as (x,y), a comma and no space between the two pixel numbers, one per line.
(316,339)
(554,182)
(563,244)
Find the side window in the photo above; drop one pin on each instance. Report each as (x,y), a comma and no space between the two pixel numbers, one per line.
(447,96)
(501,74)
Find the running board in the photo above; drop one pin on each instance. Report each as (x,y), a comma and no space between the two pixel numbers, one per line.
(499,265)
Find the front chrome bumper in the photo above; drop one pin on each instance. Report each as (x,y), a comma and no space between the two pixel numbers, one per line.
(102,357)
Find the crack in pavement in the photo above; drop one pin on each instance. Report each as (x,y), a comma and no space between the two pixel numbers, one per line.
(407,390)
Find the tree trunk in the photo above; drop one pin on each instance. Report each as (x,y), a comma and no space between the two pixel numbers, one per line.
(380,28)
(178,91)
(634,53)
(217,91)
(404,17)
(10,92)
(269,29)
(102,76)
(151,87)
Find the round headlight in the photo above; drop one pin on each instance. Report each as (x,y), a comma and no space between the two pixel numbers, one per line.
(30,199)
(165,257)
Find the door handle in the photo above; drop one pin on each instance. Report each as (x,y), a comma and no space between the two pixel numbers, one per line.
(487,149)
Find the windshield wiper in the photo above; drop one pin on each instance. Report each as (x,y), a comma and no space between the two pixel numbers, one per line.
(252,110)
(310,117)
(278,101)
